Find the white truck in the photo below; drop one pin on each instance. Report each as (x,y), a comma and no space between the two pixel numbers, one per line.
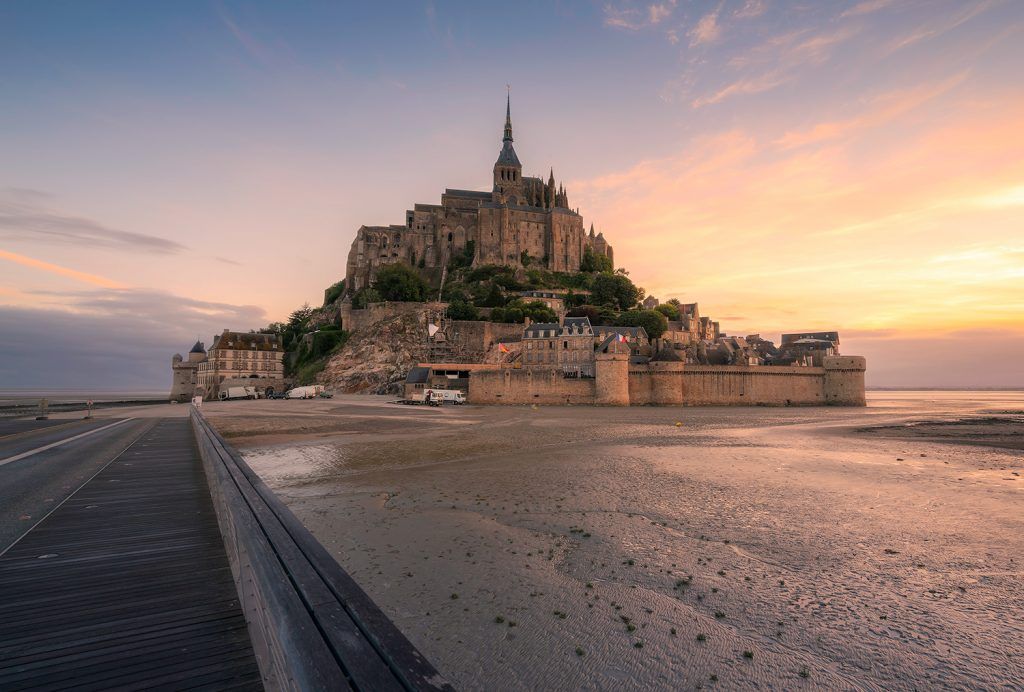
(436,397)
(308,392)
(451,396)
(238,393)
(431,397)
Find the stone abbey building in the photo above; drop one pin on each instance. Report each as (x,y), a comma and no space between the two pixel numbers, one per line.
(521,218)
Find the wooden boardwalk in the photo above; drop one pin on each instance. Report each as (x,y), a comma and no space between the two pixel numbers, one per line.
(127,585)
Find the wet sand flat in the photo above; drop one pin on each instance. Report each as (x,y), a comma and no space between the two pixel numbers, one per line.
(588,548)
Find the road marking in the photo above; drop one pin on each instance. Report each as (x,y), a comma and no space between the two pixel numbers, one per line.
(30,452)
(74,492)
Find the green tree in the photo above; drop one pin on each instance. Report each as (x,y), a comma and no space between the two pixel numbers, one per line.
(615,290)
(593,262)
(461,310)
(400,282)
(334,292)
(668,310)
(591,312)
(495,297)
(364,297)
(518,310)
(300,317)
(653,322)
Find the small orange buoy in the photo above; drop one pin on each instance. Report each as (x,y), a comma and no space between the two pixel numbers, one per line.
(679,424)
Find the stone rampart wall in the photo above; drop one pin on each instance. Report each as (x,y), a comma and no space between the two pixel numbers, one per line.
(839,383)
(753,385)
(528,386)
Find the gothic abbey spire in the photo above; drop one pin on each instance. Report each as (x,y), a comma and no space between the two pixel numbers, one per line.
(508,118)
(508,172)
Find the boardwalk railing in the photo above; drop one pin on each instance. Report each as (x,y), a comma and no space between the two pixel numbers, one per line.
(312,626)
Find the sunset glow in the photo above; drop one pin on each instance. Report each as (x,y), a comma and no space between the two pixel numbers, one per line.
(849,166)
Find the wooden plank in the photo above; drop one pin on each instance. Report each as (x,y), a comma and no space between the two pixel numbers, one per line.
(140,591)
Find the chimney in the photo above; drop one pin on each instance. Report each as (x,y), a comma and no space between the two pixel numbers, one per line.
(528,322)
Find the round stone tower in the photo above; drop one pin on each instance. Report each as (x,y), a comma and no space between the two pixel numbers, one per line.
(198,353)
(611,376)
(844,380)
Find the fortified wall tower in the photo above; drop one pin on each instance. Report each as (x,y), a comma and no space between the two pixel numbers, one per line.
(844,380)
(611,376)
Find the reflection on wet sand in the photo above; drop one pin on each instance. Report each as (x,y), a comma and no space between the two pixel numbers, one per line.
(561,548)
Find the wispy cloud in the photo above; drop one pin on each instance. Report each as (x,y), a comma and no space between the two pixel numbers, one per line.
(706,30)
(629,18)
(22,218)
(866,7)
(882,109)
(936,27)
(745,85)
(267,53)
(633,17)
(58,270)
(656,13)
(776,61)
(751,9)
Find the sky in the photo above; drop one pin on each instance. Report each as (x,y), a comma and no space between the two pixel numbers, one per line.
(168,170)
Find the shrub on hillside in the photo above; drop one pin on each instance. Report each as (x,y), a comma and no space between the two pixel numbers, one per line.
(334,292)
(615,290)
(653,322)
(400,282)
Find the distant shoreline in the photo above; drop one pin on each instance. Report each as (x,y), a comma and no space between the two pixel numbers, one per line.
(27,404)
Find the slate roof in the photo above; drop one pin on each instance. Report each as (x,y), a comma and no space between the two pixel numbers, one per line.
(472,194)
(507,156)
(667,354)
(198,348)
(582,322)
(820,336)
(536,328)
(632,332)
(239,341)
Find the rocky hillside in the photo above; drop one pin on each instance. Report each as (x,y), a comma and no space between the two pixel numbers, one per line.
(376,359)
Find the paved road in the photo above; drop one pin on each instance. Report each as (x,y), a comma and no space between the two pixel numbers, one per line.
(33,482)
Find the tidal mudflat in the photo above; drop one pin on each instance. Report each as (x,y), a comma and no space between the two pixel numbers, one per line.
(585,548)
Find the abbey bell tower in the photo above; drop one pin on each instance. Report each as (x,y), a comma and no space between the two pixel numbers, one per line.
(508,172)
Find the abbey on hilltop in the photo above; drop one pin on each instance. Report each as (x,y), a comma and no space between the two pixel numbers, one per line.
(522,220)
